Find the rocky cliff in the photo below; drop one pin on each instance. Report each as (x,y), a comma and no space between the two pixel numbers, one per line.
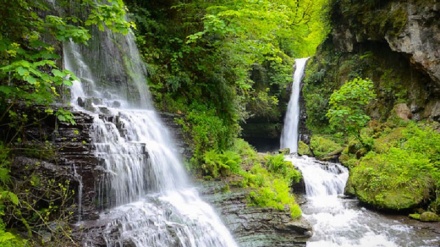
(394,43)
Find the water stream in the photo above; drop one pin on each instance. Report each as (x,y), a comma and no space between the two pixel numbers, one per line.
(341,221)
(145,197)
(289,135)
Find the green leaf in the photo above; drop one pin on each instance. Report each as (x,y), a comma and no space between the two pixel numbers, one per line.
(22,71)
(13,198)
(58,73)
(30,79)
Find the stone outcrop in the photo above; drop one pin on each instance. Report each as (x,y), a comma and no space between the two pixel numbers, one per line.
(254,226)
(404,36)
(62,152)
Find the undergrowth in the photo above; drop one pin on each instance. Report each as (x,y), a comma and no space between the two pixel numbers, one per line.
(267,176)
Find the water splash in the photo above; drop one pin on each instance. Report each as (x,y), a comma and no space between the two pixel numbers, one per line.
(145,194)
(289,134)
(339,221)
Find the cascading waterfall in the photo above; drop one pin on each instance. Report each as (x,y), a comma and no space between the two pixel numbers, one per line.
(340,221)
(289,135)
(145,192)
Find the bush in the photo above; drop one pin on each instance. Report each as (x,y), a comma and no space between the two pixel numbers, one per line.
(275,194)
(220,164)
(278,165)
(271,184)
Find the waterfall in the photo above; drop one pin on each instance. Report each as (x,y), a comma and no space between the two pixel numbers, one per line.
(336,220)
(144,194)
(289,134)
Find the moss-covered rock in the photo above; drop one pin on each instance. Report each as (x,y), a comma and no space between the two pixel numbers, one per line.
(324,148)
(392,180)
(425,216)
(429,217)
(303,149)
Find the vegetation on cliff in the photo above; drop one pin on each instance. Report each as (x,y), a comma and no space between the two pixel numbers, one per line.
(392,156)
(267,178)
(217,63)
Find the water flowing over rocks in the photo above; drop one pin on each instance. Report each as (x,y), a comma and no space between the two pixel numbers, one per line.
(68,157)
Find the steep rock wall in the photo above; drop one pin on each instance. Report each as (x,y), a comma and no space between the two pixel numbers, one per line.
(394,43)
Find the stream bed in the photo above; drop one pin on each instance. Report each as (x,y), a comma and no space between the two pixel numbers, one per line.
(342,221)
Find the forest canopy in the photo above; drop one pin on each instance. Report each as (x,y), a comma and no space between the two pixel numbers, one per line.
(222,62)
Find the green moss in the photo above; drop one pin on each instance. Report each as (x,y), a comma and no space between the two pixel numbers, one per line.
(414,216)
(323,147)
(429,217)
(270,184)
(303,149)
(425,217)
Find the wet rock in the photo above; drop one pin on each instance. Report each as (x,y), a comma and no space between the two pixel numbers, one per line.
(403,112)
(116,104)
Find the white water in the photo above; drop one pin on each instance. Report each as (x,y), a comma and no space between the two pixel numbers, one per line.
(289,134)
(145,192)
(338,221)
(80,190)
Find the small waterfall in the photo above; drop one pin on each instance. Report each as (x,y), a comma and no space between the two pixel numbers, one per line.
(322,179)
(80,190)
(145,195)
(289,134)
(339,221)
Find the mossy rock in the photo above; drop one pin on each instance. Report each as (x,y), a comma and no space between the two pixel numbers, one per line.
(324,148)
(426,217)
(429,217)
(303,149)
(392,180)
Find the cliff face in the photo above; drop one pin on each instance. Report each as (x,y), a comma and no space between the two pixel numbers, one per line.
(394,43)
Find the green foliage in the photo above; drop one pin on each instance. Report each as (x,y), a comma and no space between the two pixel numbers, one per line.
(237,56)
(303,149)
(277,164)
(109,14)
(403,170)
(29,60)
(269,183)
(7,239)
(323,147)
(217,165)
(272,189)
(347,111)
(206,131)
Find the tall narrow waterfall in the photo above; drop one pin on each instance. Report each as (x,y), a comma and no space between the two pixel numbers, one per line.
(145,196)
(289,135)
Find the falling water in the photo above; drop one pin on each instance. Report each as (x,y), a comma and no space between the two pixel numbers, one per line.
(145,194)
(289,135)
(78,178)
(337,220)
(340,221)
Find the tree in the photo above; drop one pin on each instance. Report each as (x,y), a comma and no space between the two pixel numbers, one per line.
(347,111)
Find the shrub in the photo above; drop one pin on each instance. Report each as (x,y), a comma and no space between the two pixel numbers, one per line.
(347,111)
(220,164)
